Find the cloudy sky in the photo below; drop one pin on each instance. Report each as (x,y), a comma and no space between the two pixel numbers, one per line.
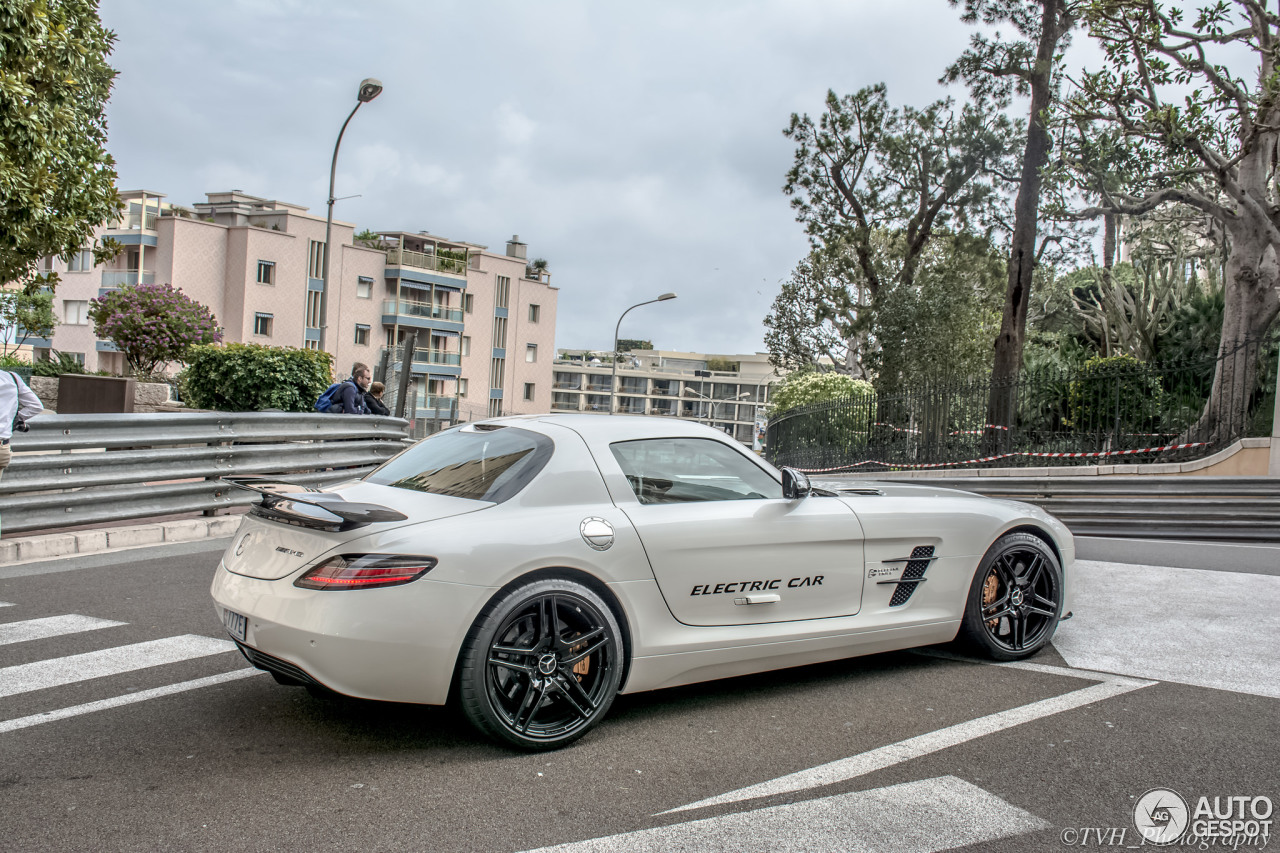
(637,147)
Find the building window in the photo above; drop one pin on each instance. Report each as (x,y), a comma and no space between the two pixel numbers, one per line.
(315,266)
(496,369)
(266,272)
(528,390)
(311,345)
(46,264)
(362,335)
(262,324)
(75,312)
(535,312)
(364,288)
(466,345)
(313,309)
(531,353)
(495,408)
(500,332)
(468,302)
(503,291)
(462,387)
(81,261)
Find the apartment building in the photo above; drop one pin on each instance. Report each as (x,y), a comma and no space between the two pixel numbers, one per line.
(731,397)
(484,322)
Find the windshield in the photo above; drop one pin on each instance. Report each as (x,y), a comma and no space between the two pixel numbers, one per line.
(480,464)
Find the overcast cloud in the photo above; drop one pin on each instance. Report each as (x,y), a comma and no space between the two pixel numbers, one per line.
(637,147)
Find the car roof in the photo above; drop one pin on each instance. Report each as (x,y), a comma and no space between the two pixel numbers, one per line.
(596,427)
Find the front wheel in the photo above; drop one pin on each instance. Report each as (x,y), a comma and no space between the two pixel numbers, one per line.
(1015,600)
(541,665)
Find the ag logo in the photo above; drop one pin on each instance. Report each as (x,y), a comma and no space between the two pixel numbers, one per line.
(244,541)
(1161,816)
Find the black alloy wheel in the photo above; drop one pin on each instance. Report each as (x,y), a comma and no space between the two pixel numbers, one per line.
(542,665)
(1015,601)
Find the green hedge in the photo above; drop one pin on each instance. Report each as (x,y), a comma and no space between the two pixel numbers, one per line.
(252,377)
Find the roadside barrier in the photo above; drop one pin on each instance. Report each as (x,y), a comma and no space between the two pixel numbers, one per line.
(84,469)
(1017,453)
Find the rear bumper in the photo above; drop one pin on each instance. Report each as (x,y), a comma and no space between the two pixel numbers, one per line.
(397,644)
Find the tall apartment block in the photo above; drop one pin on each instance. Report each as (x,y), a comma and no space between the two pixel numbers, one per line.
(728,392)
(485,324)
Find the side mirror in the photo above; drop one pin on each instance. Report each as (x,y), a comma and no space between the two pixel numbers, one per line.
(794,484)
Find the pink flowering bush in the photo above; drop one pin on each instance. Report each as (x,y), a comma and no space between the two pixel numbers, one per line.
(152,324)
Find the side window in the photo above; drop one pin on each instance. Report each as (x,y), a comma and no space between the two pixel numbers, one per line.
(680,470)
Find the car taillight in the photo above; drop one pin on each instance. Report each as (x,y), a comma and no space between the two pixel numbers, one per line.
(366,571)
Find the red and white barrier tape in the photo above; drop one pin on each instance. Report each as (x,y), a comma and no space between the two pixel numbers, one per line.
(1091,455)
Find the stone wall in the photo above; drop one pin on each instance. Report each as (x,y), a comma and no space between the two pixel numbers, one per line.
(147,396)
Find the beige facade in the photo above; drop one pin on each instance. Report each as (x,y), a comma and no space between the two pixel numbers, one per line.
(669,384)
(257,264)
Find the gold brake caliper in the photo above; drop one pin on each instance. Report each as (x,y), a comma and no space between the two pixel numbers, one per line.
(989,589)
(583,666)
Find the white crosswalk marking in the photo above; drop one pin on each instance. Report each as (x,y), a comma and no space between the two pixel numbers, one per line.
(127,699)
(914,817)
(73,668)
(51,626)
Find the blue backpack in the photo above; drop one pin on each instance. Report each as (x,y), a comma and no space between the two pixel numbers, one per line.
(329,399)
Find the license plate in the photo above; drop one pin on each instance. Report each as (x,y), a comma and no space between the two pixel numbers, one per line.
(235,623)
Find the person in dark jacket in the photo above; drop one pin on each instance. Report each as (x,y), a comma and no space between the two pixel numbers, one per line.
(351,395)
(373,400)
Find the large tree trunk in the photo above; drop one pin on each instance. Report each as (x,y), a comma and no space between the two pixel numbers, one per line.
(1251,305)
(1001,408)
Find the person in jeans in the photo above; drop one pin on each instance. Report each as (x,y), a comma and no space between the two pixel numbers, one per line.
(16,399)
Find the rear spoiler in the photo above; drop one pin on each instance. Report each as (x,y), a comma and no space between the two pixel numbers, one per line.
(290,503)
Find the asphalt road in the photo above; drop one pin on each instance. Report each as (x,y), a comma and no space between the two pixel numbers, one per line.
(126,723)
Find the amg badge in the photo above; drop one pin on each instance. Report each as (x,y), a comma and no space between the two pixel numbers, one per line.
(289,551)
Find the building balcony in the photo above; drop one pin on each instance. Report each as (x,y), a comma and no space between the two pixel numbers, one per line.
(422,356)
(435,406)
(134,222)
(567,386)
(118,278)
(422,309)
(448,264)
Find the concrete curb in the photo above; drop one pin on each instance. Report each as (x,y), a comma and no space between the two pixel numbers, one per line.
(53,545)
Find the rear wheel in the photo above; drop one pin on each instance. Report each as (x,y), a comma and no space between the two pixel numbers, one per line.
(541,665)
(1015,600)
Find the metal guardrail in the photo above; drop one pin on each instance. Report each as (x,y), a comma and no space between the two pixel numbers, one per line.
(84,469)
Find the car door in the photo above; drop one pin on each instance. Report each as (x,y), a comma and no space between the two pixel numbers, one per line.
(726,548)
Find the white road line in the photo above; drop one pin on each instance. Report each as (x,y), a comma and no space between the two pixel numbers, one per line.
(914,817)
(68,670)
(52,626)
(128,699)
(906,750)
(6,603)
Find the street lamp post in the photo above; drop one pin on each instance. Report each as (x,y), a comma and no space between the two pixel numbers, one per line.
(713,400)
(613,384)
(369,89)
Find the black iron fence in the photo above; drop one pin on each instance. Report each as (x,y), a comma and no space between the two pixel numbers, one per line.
(1114,411)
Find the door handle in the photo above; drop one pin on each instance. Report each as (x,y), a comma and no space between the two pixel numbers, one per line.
(771,598)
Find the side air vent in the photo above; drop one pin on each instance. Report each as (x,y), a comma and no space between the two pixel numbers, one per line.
(912,575)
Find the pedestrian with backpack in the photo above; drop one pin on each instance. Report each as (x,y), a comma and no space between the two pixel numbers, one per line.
(347,397)
(17,403)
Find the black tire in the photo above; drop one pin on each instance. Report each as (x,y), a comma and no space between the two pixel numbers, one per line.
(541,665)
(1015,600)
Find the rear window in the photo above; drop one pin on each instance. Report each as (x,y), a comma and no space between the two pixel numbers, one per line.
(480,464)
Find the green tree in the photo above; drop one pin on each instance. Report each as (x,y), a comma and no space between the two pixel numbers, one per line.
(56,179)
(28,314)
(997,68)
(1206,138)
(819,319)
(944,322)
(866,167)
(152,324)
(806,387)
(629,344)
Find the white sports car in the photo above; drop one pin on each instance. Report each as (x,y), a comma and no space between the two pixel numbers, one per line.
(534,567)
